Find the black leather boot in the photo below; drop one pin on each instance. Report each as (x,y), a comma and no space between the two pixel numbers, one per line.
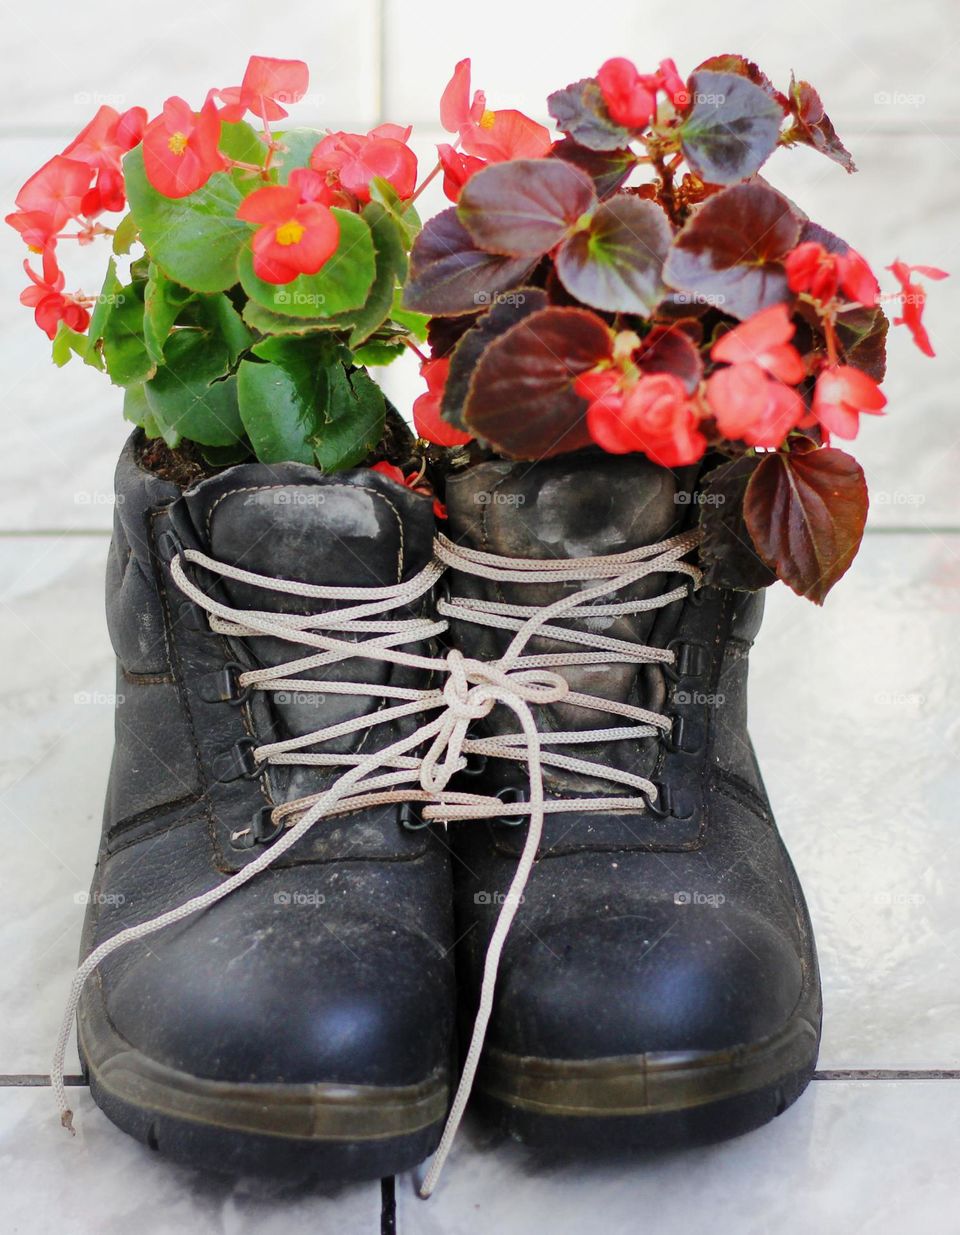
(303,1023)
(659,984)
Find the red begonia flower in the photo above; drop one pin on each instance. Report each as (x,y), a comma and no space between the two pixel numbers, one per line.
(414,481)
(180,148)
(46,297)
(426,408)
(673,83)
(496,136)
(353,159)
(267,85)
(57,190)
(763,340)
(35,227)
(457,169)
(841,395)
(293,236)
(811,268)
(653,416)
(631,97)
(102,145)
(752,407)
(913,298)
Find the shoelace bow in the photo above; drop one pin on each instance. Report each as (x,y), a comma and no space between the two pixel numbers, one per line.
(519,681)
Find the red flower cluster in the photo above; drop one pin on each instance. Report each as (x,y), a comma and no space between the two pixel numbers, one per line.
(180,148)
(810,268)
(426,408)
(296,233)
(631,96)
(913,297)
(351,160)
(652,414)
(753,399)
(82,182)
(50,304)
(484,136)
(267,85)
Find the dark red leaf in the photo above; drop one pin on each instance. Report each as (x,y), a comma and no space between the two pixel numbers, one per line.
(449,274)
(863,337)
(727,553)
(731,129)
(506,312)
(805,513)
(729,254)
(813,126)
(521,399)
(608,169)
(669,349)
(616,263)
(525,207)
(581,113)
(732,63)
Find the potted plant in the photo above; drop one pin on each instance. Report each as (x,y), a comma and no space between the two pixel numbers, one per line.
(640,354)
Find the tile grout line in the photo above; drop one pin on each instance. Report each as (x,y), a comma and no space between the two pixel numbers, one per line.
(41,1080)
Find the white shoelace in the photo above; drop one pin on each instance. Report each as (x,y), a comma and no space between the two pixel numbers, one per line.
(517,680)
(510,681)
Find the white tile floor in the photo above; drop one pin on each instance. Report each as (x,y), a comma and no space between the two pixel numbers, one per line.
(854,708)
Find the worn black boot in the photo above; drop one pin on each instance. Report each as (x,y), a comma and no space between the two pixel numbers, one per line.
(659,984)
(303,1023)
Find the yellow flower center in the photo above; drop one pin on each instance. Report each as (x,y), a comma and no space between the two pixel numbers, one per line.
(488,119)
(177,143)
(290,232)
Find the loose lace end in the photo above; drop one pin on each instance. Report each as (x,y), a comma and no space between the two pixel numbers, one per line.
(66,1121)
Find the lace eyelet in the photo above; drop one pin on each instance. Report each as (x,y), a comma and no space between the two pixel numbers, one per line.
(511,794)
(690,660)
(237,763)
(262,830)
(476,767)
(410,817)
(675,739)
(668,804)
(223,685)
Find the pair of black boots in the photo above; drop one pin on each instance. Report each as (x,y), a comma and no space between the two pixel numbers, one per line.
(333,709)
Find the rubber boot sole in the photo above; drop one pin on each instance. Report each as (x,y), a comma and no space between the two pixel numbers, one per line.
(651,1101)
(319,1131)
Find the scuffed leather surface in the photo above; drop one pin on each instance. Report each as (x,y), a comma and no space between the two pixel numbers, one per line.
(636,934)
(336,965)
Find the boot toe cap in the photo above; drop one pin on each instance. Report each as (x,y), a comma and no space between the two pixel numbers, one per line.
(688,978)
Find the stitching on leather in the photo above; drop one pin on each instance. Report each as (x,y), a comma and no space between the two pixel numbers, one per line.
(147,679)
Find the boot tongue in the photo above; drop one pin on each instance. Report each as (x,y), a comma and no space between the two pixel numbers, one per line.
(576,506)
(289,521)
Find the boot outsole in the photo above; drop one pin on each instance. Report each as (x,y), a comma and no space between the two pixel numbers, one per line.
(321,1131)
(653,1101)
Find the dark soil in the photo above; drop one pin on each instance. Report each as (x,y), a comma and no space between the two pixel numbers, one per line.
(184,466)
